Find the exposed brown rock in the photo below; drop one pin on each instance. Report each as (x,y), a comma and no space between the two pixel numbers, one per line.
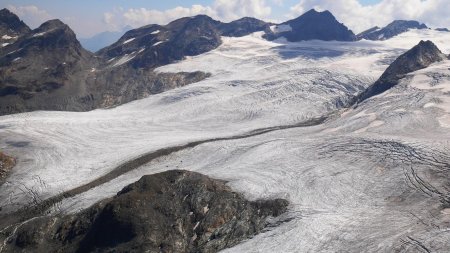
(6,164)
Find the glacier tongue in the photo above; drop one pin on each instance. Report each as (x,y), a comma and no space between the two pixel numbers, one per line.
(369,179)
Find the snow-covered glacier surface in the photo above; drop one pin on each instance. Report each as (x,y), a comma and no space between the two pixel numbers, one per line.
(370,178)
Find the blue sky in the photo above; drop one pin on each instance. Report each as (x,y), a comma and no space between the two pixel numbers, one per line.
(90,17)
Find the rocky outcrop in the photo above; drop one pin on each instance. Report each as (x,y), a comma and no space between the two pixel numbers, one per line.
(312,25)
(391,30)
(173,211)
(419,57)
(11,28)
(6,164)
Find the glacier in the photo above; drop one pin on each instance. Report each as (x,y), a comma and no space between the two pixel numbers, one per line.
(370,178)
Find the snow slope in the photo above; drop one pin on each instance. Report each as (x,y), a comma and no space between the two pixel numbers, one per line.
(368,179)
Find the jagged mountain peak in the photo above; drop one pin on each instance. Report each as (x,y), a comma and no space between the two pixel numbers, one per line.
(313,25)
(419,57)
(5,13)
(314,12)
(11,26)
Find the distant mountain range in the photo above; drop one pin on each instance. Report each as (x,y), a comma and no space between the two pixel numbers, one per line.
(103,39)
(48,69)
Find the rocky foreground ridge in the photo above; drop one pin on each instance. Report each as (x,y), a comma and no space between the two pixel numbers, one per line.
(173,211)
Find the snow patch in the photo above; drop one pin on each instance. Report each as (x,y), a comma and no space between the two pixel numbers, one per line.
(7,37)
(126,58)
(15,51)
(5,44)
(39,34)
(159,43)
(128,41)
(155,32)
(196,225)
(281,28)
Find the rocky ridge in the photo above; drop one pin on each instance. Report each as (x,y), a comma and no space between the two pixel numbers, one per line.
(155,45)
(173,211)
(393,29)
(48,69)
(419,57)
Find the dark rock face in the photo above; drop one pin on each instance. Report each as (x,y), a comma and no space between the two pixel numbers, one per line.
(419,57)
(314,25)
(173,211)
(11,27)
(393,29)
(43,61)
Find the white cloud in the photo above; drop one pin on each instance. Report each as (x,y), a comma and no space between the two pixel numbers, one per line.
(224,10)
(358,17)
(31,15)
(229,10)
(278,2)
